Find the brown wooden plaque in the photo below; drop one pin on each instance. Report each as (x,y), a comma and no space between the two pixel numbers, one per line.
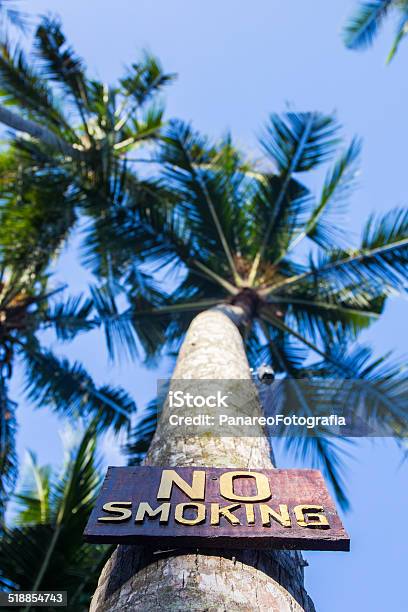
(214,507)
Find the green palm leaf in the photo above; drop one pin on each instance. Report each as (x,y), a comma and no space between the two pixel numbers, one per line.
(363,26)
(8,455)
(45,549)
(145,79)
(70,317)
(60,63)
(70,391)
(201,188)
(21,85)
(33,497)
(283,207)
(37,214)
(81,165)
(119,333)
(142,434)
(338,184)
(297,142)
(378,268)
(401,31)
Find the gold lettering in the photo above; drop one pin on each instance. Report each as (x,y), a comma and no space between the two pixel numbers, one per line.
(267,513)
(194,491)
(313,514)
(227,486)
(216,512)
(119,510)
(250,514)
(145,508)
(179,514)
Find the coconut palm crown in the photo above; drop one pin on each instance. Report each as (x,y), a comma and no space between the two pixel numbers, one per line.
(255,235)
(74,138)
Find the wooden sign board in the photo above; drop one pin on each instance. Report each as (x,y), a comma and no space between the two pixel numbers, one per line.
(213,507)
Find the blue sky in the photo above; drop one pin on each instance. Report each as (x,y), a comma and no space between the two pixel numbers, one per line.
(236,63)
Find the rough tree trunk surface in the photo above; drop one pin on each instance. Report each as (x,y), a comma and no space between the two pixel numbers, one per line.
(135,578)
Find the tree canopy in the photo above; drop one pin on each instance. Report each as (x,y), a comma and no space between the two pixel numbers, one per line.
(74,136)
(256,235)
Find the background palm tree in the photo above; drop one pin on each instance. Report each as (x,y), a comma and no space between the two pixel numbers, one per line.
(44,550)
(27,309)
(30,234)
(231,239)
(68,165)
(75,135)
(363,26)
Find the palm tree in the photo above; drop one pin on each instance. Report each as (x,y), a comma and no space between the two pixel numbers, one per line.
(79,134)
(244,294)
(27,309)
(43,549)
(68,165)
(363,26)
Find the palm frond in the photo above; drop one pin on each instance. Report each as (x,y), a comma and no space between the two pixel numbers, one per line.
(338,184)
(36,216)
(126,221)
(379,385)
(119,333)
(401,32)
(8,454)
(74,492)
(50,554)
(142,434)
(70,391)
(33,498)
(144,129)
(363,25)
(145,79)
(283,207)
(59,62)
(378,269)
(279,349)
(327,454)
(297,142)
(203,196)
(331,316)
(22,86)
(70,317)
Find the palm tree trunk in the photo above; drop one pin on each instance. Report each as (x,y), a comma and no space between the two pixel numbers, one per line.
(136,578)
(39,132)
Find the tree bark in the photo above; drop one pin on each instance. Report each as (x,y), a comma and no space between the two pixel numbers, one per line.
(136,578)
(39,132)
